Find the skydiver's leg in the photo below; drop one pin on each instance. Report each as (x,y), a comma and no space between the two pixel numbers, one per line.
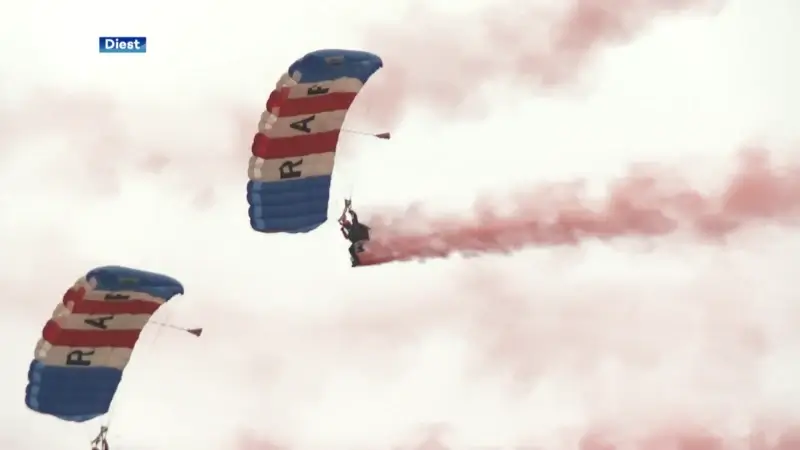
(353,255)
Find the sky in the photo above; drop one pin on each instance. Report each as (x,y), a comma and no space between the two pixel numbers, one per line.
(140,160)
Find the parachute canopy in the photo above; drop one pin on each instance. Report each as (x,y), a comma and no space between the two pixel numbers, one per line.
(89,340)
(293,151)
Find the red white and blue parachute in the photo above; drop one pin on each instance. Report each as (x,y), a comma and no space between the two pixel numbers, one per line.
(294,150)
(87,343)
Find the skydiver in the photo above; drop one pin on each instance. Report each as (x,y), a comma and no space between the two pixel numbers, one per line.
(101,442)
(353,230)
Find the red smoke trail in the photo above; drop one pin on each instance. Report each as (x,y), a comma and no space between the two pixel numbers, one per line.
(440,61)
(640,205)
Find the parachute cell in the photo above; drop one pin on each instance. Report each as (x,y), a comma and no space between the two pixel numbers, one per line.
(89,339)
(293,152)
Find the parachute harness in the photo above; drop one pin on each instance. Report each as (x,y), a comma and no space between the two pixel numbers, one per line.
(100,441)
(347,208)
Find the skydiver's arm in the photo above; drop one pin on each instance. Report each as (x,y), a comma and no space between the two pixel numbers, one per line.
(344,232)
(354,216)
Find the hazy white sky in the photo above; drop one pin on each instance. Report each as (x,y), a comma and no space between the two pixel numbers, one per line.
(306,352)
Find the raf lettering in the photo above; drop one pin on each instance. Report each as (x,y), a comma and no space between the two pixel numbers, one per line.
(79,358)
(291,169)
(303,124)
(98,322)
(83,357)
